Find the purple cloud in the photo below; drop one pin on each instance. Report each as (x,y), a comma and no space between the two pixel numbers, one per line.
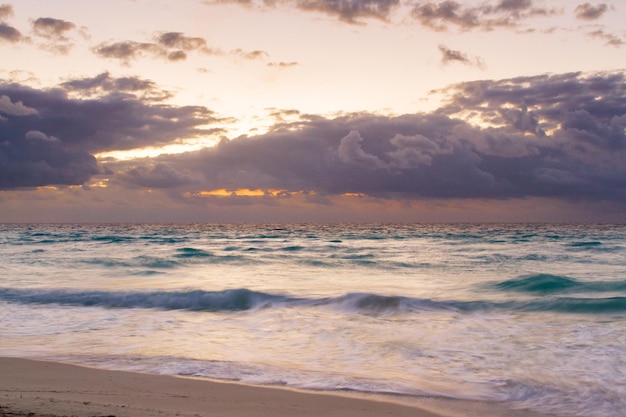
(449,56)
(587,11)
(443,15)
(9,33)
(555,136)
(48,137)
(351,11)
(171,46)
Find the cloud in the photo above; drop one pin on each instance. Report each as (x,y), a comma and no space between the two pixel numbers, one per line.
(9,33)
(104,84)
(283,64)
(351,152)
(37,135)
(158,176)
(14,109)
(558,136)
(611,39)
(251,55)
(37,160)
(54,34)
(449,55)
(52,28)
(350,11)
(549,136)
(6,10)
(179,41)
(443,15)
(127,51)
(110,122)
(346,11)
(171,46)
(49,137)
(587,11)
(550,97)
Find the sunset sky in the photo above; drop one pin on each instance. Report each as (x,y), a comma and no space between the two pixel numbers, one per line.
(312,110)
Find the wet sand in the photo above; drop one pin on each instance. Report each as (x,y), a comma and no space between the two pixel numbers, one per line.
(42,389)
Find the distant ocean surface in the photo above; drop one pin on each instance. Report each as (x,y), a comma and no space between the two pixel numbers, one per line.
(531,317)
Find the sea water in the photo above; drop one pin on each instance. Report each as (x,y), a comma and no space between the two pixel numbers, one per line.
(530,317)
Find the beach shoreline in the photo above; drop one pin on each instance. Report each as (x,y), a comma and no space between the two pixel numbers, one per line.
(43,388)
(40,388)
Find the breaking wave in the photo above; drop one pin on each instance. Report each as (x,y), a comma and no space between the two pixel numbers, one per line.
(353,303)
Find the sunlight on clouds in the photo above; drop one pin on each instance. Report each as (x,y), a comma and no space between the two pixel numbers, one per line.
(189,145)
(103,183)
(252,124)
(241,192)
(55,188)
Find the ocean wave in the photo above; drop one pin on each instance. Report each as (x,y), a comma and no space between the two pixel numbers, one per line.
(585,244)
(293,248)
(192,253)
(352,303)
(112,239)
(139,261)
(576,305)
(197,300)
(538,283)
(550,284)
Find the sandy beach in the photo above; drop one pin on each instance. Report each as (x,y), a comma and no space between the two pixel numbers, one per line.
(42,389)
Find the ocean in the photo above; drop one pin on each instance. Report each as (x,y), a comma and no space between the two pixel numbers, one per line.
(526,317)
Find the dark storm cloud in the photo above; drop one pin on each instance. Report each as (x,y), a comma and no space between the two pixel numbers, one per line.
(37,160)
(449,55)
(545,97)
(487,16)
(351,11)
(587,11)
(110,122)
(47,136)
(560,136)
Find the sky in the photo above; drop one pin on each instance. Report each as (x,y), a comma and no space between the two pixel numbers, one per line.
(313,111)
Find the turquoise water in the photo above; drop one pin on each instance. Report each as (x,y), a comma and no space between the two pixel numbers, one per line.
(532,317)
